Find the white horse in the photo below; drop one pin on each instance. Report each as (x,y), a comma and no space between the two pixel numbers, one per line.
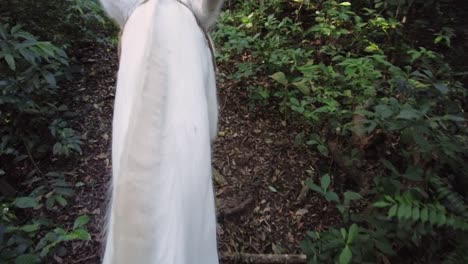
(165,116)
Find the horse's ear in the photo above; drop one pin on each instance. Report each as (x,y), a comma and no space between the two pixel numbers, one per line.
(213,7)
(120,10)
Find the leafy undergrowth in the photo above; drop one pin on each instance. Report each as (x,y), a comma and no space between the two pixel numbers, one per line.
(382,114)
(342,134)
(39,140)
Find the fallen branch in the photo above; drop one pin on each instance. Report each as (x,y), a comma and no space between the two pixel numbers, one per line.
(264,258)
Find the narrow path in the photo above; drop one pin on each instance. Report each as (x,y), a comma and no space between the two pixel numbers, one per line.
(261,206)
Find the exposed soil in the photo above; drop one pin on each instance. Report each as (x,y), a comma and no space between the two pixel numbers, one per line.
(263,207)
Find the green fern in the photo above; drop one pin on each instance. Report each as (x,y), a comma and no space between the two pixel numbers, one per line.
(407,208)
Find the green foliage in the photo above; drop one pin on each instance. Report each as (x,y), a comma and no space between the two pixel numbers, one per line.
(413,210)
(30,71)
(61,21)
(34,122)
(33,241)
(391,111)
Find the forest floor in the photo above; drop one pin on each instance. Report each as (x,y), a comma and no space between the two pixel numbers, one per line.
(261,202)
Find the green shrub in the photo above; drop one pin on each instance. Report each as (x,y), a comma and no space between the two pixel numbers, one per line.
(63,22)
(33,122)
(387,113)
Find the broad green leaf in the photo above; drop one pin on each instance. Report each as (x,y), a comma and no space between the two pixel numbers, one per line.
(294,101)
(60,200)
(381,204)
(26,202)
(372,48)
(65,191)
(47,47)
(402,211)
(424,214)
(409,114)
(351,196)
(60,231)
(383,111)
(81,221)
(314,187)
(10,61)
(389,199)
(314,235)
(323,150)
(408,211)
(325,182)
(343,233)
(433,216)
(345,256)
(353,231)
(302,86)
(280,77)
(416,213)
(332,197)
(27,259)
(392,211)
(30,228)
(441,218)
(78,234)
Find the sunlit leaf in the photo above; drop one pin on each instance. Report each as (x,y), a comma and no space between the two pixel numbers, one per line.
(325,181)
(280,77)
(345,256)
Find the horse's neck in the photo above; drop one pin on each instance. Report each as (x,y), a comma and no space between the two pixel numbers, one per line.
(205,10)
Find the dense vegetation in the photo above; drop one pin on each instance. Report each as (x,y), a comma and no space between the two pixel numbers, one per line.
(379,86)
(34,123)
(384,108)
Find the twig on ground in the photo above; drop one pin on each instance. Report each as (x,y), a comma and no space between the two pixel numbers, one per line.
(264,258)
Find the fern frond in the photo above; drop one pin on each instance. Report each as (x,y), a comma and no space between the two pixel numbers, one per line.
(407,208)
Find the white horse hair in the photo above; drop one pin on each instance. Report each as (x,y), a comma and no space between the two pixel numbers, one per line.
(162,207)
